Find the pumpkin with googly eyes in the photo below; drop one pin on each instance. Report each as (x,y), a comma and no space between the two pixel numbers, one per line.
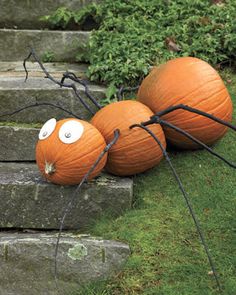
(67,149)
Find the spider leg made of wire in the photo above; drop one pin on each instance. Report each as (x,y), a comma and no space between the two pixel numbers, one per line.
(37,105)
(185,195)
(50,77)
(189,109)
(75,195)
(194,139)
(73,77)
(122,90)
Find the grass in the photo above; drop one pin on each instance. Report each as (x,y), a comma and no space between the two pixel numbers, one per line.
(167,256)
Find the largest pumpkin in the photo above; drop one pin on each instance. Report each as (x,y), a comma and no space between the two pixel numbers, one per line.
(192,82)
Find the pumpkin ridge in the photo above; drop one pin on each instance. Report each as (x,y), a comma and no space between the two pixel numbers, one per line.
(124,147)
(195,116)
(179,100)
(211,123)
(68,163)
(83,152)
(210,97)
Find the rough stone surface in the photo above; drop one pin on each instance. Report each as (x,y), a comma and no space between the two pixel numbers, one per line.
(15,94)
(27,201)
(14,69)
(18,144)
(26,14)
(63,45)
(27,262)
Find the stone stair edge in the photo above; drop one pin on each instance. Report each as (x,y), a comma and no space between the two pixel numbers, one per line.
(18,125)
(56,45)
(79,260)
(12,68)
(28,201)
(15,94)
(27,14)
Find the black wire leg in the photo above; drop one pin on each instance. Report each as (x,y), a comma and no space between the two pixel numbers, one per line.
(194,139)
(189,109)
(122,90)
(196,222)
(75,195)
(50,77)
(73,77)
(37,105)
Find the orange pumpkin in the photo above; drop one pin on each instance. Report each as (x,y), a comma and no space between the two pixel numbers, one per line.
(192,82)
(135,150)
(67,149)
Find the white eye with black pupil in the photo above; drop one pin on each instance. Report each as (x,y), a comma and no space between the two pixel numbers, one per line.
(47,129)
(71,131)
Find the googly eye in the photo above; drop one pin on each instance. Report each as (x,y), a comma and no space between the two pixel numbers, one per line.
(47,129)
(71,131)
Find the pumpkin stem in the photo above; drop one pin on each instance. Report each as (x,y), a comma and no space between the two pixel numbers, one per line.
(186,198)
(49,168)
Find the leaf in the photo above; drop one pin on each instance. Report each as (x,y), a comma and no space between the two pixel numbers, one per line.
(111,91)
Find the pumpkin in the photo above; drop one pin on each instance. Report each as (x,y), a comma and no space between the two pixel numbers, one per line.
(135,150)
(192,82)
(67,149)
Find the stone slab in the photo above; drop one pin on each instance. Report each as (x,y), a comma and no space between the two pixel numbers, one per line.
(18,143)
(26,14)
(60,45)
(15,93)
(27,263)
(15,69)
(27,201)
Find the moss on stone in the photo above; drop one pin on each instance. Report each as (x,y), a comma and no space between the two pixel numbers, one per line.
(78,252)
(21,125)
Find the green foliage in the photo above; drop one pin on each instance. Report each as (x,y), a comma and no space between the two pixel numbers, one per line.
(48,56)
(135,35)
(60,18)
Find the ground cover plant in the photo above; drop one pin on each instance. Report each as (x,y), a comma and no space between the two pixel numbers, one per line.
(132,36)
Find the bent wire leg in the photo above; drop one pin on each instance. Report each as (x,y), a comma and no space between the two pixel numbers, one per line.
(75,195)
(194,139)
(50,77)
(189,109)
(196,222)
(123,89)
(37,105)
(73,77)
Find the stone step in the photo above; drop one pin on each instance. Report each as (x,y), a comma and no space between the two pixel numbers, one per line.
(16,93)
(18,143)
(27,201)
(51,45)
(26,14)
(27,262)
(15,69)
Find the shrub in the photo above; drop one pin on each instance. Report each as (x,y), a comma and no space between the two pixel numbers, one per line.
(134,35)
